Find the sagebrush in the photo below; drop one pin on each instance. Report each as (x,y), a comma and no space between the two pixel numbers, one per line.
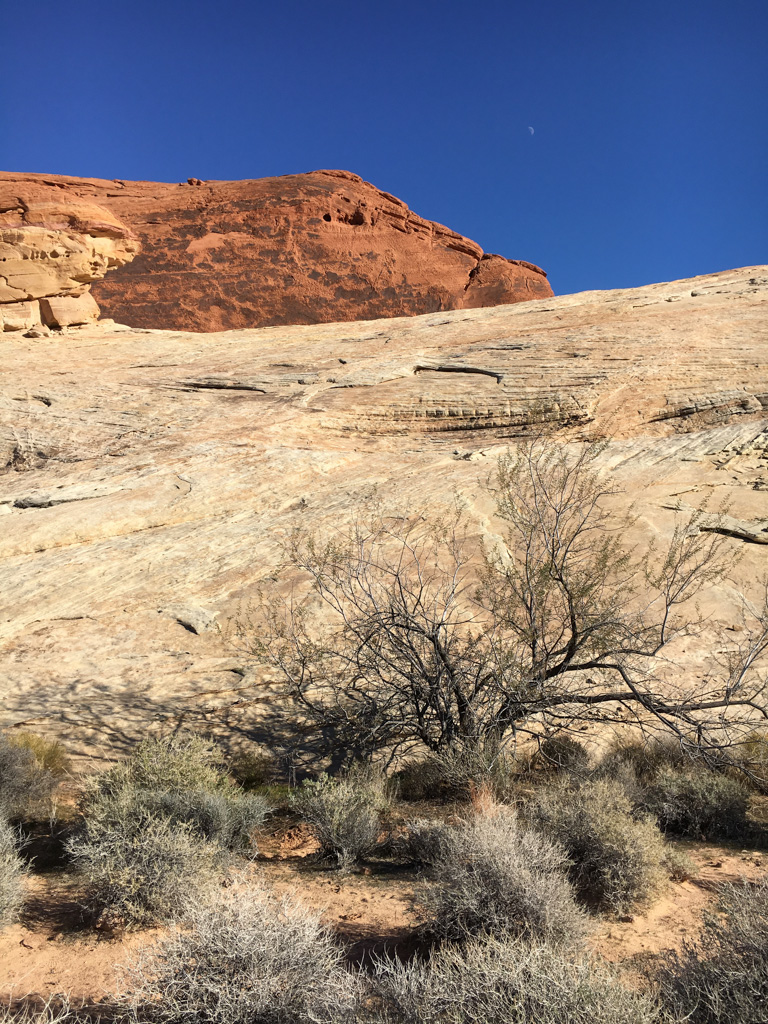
(344,813)
(617,857)
(723,978)
(493,875)
(247,958)
(509,981)
(12,872)
(142,869)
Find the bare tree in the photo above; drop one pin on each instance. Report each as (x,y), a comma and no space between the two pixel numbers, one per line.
(411,632)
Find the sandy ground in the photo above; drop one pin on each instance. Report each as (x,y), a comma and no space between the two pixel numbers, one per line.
(51,951)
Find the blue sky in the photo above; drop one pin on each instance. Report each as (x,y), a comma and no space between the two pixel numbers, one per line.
(648,159)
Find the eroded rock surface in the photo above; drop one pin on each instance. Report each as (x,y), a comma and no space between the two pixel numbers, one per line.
(150,476)
(53,246)
(298,249)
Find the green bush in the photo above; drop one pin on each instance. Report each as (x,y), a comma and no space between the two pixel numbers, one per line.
(492,875)
(26,785)
(344,813)
(698,803)
(724,978)
(616,857)
(12,874)
(248,958)
(51,755)
(141,868)
(492,981)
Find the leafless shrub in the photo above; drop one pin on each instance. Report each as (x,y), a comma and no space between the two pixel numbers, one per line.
(344,813)
(12,874)
(724,978)
(509,981)
(248,958)
(495,876)
(616,856)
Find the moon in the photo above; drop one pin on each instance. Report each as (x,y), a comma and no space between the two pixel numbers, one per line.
(530,129)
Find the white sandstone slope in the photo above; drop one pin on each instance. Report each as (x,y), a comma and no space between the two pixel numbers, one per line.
(149,476)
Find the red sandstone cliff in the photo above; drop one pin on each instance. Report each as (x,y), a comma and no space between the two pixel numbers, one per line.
(298,249)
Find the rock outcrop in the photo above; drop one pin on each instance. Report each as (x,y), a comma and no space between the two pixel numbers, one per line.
(149,476)
(298,249)
(52,247)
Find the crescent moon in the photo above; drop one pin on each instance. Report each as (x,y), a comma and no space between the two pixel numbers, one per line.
(530,129)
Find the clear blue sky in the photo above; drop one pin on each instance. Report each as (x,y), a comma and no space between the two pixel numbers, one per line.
(648,159)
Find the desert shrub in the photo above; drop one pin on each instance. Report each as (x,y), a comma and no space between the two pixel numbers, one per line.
(172,764)
(181,780)
(425,842)
(616,857)
(253,768)
(495,876)
(51,755)
(12,873)
(491,981)
(678,865)
(56,1010)
(752,760)
(455,774)
(644,757)
(724,978)
(248,958)
(698,803)
(228,818)
(344,813)
(562,754)
(26,785)
(140,868)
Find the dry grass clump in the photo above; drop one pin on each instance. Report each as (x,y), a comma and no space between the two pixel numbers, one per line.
(26,784)
(724,978)
(12,872)
(492,875)
(143,868)
(616,856)
(248,958)
(344,813)
(562,754)
(505,981)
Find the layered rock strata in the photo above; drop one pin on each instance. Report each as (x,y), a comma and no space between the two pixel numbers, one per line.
(298,249)
(53,246)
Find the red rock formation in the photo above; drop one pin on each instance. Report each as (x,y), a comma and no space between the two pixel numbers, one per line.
(299,249)
(53,244)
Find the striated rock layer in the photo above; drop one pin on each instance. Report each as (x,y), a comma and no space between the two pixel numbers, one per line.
(298,249)
(53,245)
(150,476)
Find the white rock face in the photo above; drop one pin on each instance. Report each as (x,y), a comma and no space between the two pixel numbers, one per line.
(149,477)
